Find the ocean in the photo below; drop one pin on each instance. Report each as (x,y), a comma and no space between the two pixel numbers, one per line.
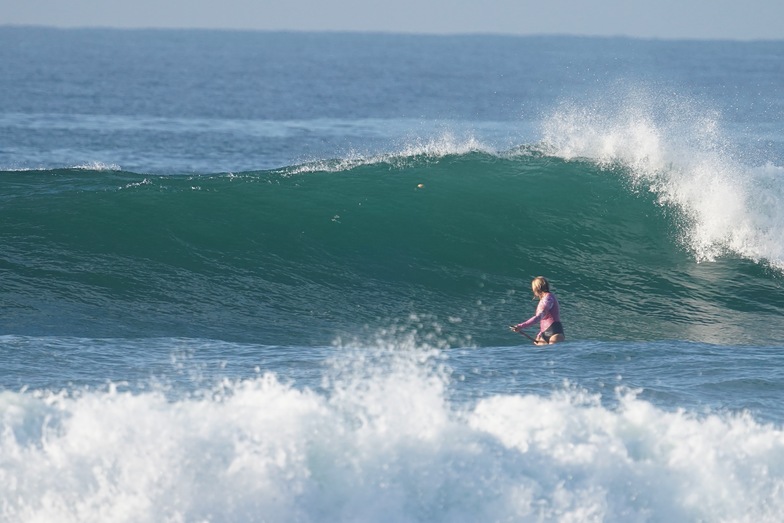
(257,276)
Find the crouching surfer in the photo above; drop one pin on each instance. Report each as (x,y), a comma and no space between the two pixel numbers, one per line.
(547,314)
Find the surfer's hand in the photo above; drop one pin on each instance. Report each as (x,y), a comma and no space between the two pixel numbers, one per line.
(514,328)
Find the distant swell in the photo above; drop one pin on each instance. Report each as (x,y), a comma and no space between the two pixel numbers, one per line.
(302,254)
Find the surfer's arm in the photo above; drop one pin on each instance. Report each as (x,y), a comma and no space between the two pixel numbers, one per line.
(528,322)
(544,306)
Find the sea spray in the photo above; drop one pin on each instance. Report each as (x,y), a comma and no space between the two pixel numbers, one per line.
(678,149)
(379,439)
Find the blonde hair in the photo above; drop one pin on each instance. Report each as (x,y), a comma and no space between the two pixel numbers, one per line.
(540,285)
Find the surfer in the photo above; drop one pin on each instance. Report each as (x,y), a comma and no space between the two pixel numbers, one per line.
(547,314)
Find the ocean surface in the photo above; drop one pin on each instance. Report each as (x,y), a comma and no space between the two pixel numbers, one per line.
(252,276)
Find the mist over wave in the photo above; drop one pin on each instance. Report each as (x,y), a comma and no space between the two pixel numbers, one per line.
(731,199)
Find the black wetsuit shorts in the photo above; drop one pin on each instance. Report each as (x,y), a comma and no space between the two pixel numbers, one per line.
(555,328)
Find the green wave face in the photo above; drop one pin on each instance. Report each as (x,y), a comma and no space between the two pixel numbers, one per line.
(434,244)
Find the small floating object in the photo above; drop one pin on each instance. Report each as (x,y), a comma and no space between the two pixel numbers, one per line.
(421,186)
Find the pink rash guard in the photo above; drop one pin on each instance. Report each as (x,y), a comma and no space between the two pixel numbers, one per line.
(547,313)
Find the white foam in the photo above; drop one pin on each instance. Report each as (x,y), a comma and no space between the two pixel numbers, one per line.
(433,147)
(382,442)
(87,166)
(98,166)
(679,150)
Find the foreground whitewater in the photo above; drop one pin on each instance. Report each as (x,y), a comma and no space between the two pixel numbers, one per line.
(380,438)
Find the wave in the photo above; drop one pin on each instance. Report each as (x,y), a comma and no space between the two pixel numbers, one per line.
(731,198)
(446,229)
(381,440)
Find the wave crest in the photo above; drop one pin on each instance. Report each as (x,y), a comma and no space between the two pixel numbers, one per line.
(677,149)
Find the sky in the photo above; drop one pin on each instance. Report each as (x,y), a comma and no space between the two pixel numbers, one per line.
(666,19)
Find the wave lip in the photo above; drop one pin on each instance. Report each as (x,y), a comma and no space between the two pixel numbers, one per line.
(678,150)
(431,149)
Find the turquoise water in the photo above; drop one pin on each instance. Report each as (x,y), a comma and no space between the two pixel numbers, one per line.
(305,254)
(268,277)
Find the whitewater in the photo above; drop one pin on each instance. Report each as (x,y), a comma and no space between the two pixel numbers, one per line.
(379,440)
(269,277)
